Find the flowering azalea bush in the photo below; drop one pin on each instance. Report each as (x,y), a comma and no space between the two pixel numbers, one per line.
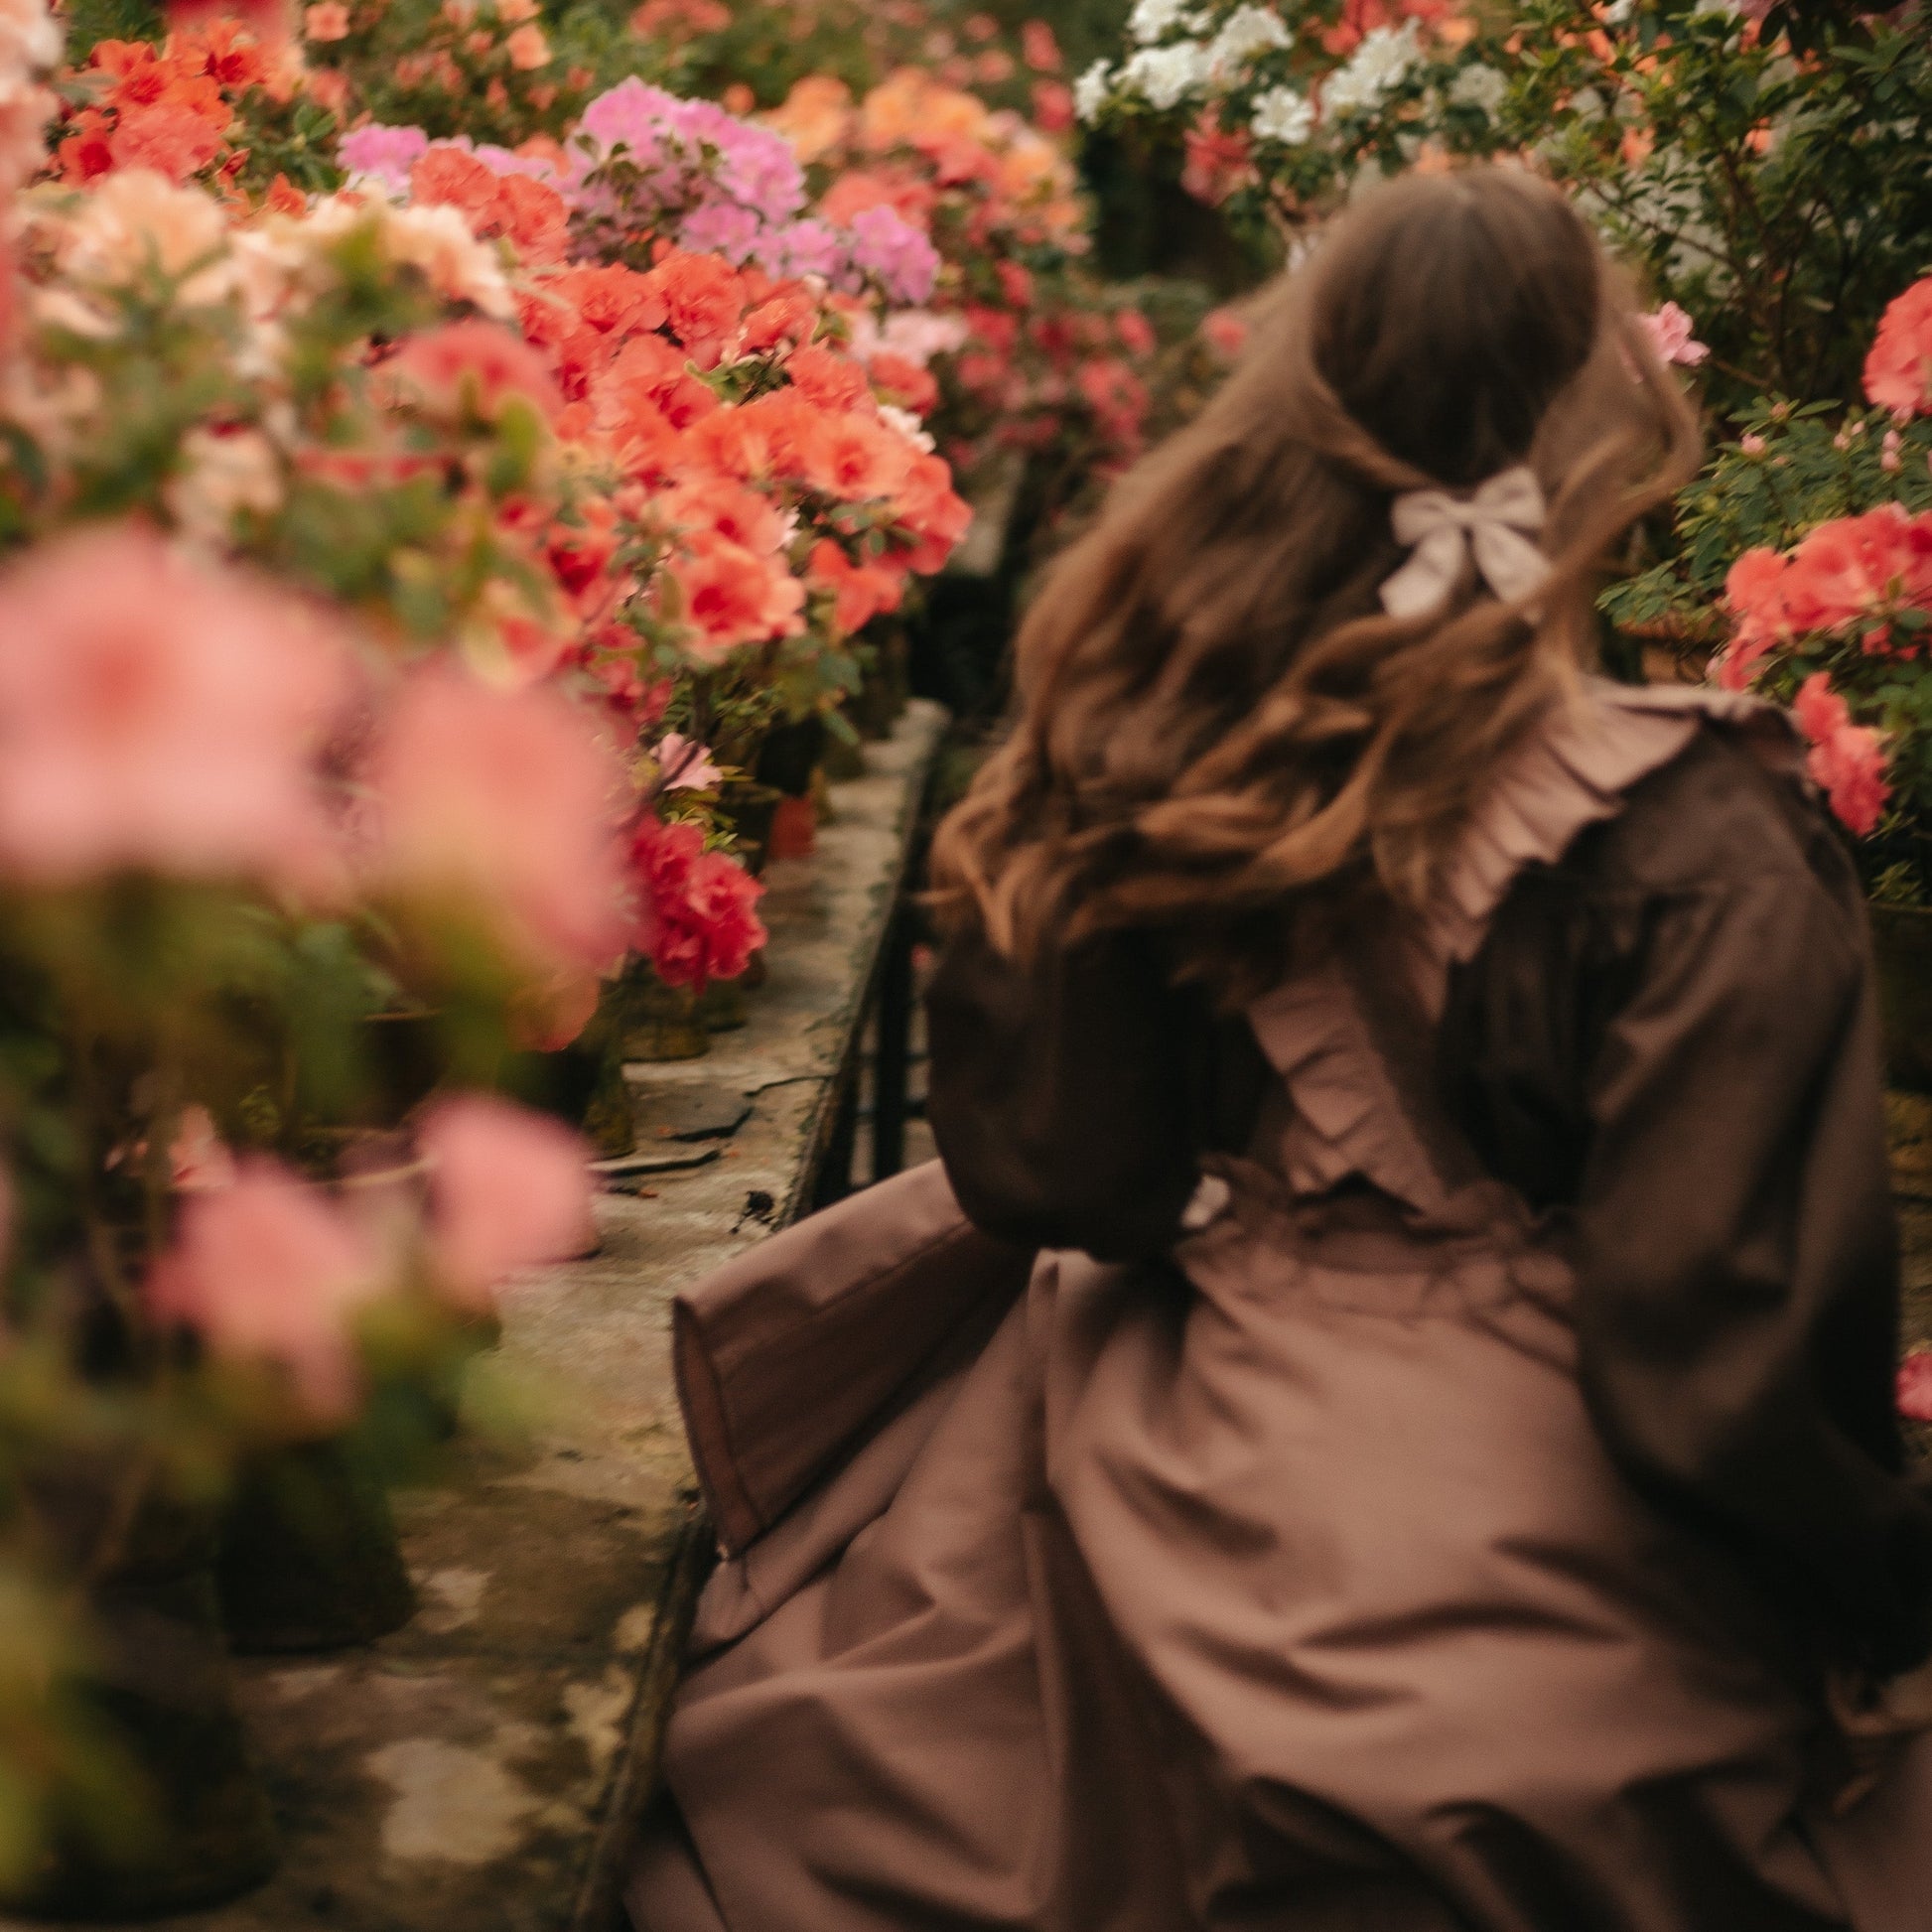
(1021,348)
(749,496)
(1805,558)
(1280,107)
(231,830)
(1770,168)
(214,101)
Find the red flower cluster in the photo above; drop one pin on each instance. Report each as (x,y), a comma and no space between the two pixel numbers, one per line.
(1848,760)
(528,213)
(1854,571)
(1049,356)
(1898,367)
(166,107)
(698,920)
(649,363)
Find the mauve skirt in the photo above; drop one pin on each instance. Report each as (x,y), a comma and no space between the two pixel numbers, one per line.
(1294,1593)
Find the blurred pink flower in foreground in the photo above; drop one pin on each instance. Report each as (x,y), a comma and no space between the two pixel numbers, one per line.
(506,802)
(509,1191)
(159,714)
(1915,1385)
(269,1268)
(1670,335)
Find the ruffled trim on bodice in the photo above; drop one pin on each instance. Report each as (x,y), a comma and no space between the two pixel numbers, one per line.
(1575,770)
(1344,1116)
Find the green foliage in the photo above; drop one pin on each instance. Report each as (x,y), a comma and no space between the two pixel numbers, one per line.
(1782,200)
(1787,470)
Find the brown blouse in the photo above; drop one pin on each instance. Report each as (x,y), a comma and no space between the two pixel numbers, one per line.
(1669,1044)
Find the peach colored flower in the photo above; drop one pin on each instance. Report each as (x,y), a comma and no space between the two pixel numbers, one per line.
(221,477)
(328,21)
(509,1189)
(474,365)
(815,117)
(730,596)
(527,49)
(440,243)
(506,803)
(1898,369)
(158,715)
(269,1269)
(853,457)
(137,220)
(859,591)
(1846,760)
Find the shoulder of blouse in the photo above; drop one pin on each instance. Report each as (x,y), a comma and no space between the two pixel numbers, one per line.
(1712,818)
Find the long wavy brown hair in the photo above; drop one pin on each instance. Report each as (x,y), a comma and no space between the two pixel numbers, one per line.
(1217,724)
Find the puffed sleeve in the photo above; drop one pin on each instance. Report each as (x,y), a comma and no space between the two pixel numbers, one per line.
(1069,1097)
(1737,1295)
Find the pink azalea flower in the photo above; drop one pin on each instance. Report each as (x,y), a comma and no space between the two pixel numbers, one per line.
(1915,1386)
(687,766)
(269,1268)
(1846,760)
(1670,333)
(896,254)
(1898,369)
(384,154)
(160,715)
(509,1189)
(506,803)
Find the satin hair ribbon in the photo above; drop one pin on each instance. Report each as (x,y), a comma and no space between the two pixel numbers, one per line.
(1442,529)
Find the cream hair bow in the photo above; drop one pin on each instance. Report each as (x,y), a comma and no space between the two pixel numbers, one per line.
(1442,529)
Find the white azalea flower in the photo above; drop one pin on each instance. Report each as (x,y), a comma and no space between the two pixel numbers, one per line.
(1481,86)
(908,425)
(1153,18)
(1164,76)
(1091,91)
(1379,63)
(1281,114)
(1246,32)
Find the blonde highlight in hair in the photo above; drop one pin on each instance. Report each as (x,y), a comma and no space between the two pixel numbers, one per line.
(1218,725)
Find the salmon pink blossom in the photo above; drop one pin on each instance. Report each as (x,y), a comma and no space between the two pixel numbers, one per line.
(1848,760)
(732,596)
(509,1191)
(474,365)
(160,715)
(506,803)
(1898,367)
(269,1269)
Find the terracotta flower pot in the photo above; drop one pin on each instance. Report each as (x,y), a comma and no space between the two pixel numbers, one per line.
(195,1829)
(795,829)
(659,1021)
(1901,939)
(309,1558)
